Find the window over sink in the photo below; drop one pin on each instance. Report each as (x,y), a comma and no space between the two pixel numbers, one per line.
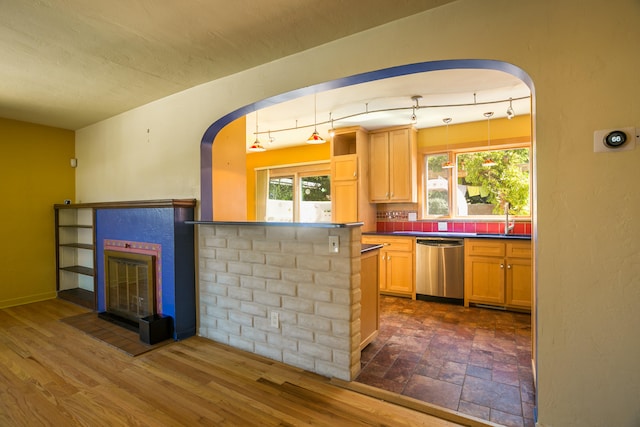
(485,181)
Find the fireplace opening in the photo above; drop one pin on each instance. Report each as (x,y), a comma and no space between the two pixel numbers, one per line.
(129,288)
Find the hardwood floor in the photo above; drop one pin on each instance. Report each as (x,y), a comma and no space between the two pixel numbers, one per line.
(51,374)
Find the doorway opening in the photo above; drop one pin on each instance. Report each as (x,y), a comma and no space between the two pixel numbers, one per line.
(411,69)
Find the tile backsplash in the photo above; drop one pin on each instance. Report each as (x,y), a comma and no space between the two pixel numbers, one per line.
(388,221)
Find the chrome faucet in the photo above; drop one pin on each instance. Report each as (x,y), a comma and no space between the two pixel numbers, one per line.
(507,227)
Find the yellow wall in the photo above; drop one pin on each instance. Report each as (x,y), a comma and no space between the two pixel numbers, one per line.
(501,129)
(284,156)
(35,174)
(229,179)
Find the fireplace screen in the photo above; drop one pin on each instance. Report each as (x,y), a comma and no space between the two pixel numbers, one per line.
(130,289)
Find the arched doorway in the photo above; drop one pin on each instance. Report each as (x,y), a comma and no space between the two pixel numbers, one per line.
(214,129)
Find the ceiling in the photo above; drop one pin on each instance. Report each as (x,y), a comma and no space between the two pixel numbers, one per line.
(72,63)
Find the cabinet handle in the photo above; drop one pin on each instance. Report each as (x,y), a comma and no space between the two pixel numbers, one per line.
(501,265)
(355,174)
(386,195)
(508,265)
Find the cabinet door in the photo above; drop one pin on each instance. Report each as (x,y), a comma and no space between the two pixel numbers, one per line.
(399,272)
(484,280)
(379,167)
(400,166)
(519,282)
(344,168)
(344,196)
(369,299)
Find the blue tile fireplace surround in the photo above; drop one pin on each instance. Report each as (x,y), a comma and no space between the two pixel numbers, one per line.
(154,228)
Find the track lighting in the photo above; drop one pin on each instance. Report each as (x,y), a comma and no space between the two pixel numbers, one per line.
(315,137)
(510,113)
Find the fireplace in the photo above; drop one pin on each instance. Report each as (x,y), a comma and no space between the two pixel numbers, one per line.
(130,285)
(153,279)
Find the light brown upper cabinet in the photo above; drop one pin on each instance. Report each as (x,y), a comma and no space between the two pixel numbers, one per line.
(349,172)
(392,155)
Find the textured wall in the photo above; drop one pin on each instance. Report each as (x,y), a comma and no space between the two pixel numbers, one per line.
(248,272)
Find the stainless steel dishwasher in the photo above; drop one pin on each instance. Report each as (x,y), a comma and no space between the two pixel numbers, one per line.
(440,269)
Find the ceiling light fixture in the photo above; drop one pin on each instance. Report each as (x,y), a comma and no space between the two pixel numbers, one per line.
(448,164)
(510,113)
(367,111)
(416,99)
(315,137)
(488,162)
(257,147)
(332,130)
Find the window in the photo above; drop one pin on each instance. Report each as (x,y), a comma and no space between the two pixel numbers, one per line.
(280,199)
(485,181)
(296,194)
(437,185)
(315,198)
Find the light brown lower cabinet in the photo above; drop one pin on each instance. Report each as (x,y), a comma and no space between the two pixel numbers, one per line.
(397,264)
(369,299)
(498,273)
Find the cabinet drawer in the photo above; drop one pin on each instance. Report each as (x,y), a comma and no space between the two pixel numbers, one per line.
(484,247)
(395,243)
(519,250)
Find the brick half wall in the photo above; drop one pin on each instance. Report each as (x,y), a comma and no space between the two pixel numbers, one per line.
(246,273)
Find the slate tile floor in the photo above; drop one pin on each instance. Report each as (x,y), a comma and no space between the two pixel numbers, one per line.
(473,360)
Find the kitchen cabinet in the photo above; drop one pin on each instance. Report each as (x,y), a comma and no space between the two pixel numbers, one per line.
(370,297)
(349,172)
(396,264)
(392,161)
(75,254)
(498,273)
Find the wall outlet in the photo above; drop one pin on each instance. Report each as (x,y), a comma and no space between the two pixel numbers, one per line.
(275,319)
(334,244)
(442,226)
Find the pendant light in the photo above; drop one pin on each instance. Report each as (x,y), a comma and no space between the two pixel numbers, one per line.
(315,137)
(257,147)
(487,161)
(448,164)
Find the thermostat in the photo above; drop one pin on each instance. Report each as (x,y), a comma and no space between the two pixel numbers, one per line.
(621,139)
(615,139)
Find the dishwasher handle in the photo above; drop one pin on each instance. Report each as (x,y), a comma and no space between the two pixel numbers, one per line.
(440,242)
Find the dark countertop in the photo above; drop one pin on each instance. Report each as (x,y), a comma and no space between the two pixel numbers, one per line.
(369,248)
(450,234)
(280,224)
